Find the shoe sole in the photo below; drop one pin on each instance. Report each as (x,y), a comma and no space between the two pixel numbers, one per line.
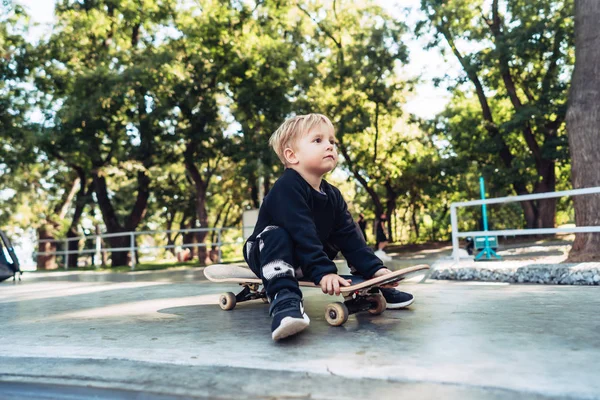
(290,326)
(395,306)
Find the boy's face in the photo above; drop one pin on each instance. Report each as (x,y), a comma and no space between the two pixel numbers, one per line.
(316,151)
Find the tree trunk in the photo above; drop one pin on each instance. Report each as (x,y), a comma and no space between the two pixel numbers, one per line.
(203,220)
(119,258)
(253,184)
(583,125)
(48,230)
(545,210)
(201,185)
(73,247)
(103,254)
(437,223)
(542,213)
(170,237)
(46,261)
(372,193)
(267,184)
(391,209)
(110,217)
(189,239)
(415,221)
(188,221)
(83,197)
(214,237)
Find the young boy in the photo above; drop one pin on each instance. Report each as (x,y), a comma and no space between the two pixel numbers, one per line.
(303,223)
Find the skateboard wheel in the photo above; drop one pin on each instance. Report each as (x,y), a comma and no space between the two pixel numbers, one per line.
(336,314)
(380,304)
(227,301)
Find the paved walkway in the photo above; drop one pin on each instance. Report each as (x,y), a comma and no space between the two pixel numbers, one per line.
(163,333)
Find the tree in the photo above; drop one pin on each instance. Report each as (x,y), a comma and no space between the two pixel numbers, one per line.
(173,204)
(198,57)
(35,192)
(515,55)
(103,105)
(357,51)
(583,122)
(263,80)
(15,134)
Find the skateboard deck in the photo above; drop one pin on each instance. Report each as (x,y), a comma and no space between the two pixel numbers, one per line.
(361,296)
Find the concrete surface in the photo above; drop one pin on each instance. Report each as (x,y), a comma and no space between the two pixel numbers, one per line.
(162,334)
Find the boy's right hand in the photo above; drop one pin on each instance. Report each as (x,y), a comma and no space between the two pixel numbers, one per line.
(330,283)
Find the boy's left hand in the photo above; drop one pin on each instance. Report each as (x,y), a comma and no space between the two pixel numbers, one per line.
(385,271)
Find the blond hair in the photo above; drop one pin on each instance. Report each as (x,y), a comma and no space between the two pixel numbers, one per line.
(292,129)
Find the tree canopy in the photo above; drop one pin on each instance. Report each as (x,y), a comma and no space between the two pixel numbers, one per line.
(156,114)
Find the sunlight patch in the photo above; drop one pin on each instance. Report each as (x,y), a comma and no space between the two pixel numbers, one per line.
(148,308)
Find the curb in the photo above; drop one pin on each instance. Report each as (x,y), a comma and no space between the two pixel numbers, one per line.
(518,272)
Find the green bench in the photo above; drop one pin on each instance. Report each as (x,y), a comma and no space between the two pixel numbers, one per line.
(479,242)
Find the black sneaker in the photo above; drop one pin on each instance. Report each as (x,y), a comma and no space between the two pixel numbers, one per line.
(288,315)
(396,299)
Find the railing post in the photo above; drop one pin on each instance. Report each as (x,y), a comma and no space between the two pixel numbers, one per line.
(66,254)
(132,249)
(98,260)
(454,223)
(219,243)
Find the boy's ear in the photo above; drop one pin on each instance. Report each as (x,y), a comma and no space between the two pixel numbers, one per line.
(290,156)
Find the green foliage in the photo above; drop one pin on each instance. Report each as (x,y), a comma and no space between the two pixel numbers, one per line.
(508,109)
(262,85)
(156,114)
(28,185)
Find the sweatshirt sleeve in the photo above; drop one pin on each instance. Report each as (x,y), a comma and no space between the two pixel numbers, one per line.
(348,238)
(289,209)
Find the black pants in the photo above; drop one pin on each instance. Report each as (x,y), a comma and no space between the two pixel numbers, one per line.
(272,258)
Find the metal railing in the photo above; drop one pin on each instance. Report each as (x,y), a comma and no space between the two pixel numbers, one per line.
(133,247)
(516,232)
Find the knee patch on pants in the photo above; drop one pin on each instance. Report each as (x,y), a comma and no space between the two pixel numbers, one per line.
(261,242)
(277,269)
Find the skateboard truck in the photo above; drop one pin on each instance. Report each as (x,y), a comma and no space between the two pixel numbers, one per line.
(370,300)
(251,291)
(336,314)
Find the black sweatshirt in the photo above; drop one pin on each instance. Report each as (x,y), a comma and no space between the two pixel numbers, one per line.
(318,223)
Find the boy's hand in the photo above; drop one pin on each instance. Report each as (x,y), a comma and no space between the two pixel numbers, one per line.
(385,271)
(330,283)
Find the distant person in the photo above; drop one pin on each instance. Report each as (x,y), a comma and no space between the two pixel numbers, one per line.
(362,224)
(381,238)
(470,246)
(303,223)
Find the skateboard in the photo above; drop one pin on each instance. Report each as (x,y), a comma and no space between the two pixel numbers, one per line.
(362,296)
